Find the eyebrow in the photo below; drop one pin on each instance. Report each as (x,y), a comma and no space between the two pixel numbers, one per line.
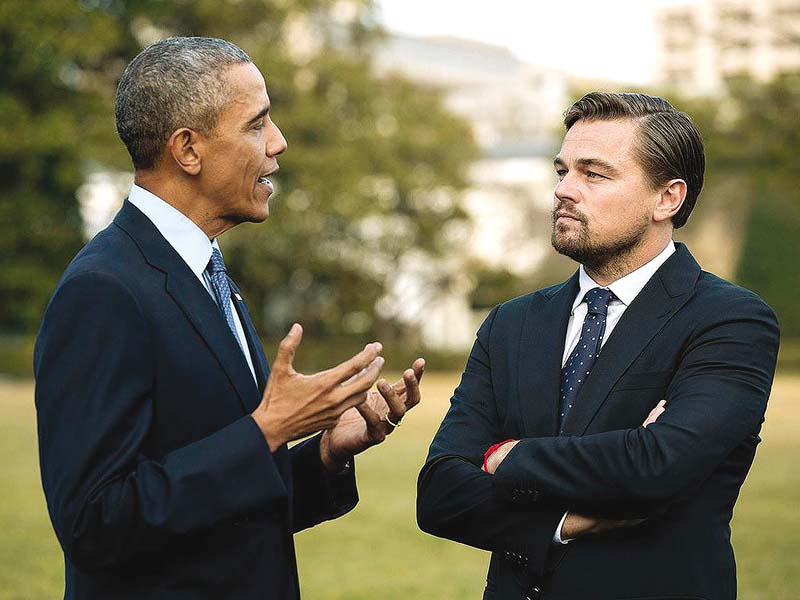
(261,114)
(590,162)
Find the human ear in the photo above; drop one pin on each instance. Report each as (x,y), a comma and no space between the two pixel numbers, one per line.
(184,146)
(670,200)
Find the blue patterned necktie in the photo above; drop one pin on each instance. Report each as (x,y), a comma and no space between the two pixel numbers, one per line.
(218,275)
(580,362)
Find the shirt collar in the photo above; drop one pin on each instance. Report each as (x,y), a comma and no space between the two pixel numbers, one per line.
(626,288)
(181,233)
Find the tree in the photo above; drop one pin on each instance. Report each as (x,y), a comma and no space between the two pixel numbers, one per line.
(373,169)
(753,140)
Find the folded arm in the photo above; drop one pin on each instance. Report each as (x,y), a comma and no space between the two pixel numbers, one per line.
(715,402)
(455,498)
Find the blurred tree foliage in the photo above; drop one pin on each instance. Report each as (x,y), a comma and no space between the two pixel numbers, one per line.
(374,164)
(47,112)
(752,138)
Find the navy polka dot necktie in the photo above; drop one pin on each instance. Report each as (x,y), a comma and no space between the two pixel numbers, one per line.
(218,275)
(580,362)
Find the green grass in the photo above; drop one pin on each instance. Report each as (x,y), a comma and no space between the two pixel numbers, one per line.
(377,552)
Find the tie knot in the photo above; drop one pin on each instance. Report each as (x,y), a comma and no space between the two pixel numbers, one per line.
(216,265)
(597,299)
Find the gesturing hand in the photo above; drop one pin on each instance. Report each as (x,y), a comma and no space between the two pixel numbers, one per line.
(369,423)
(296,405)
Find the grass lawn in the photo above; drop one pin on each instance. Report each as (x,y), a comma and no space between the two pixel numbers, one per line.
(377,552)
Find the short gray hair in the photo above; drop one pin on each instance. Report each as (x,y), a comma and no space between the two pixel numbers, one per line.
(171,84)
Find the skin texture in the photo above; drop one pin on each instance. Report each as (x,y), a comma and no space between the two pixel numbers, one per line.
(217,179)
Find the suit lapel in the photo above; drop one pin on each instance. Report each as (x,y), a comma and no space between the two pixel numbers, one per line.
(193,299)
(540,352)
(281,455)
(666,292)
(253,342)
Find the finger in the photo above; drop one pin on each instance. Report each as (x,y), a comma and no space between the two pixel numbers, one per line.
(362,381)
(350,369)
(418,367)
(286,350)
(372,418)
(657,411)
(397,407)
(412,388)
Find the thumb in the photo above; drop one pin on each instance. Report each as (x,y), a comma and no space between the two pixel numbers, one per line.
(286,350)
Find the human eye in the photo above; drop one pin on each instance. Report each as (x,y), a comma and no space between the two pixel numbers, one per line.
(561,173)
(593,175)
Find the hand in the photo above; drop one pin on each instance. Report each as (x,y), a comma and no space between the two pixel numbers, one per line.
(576,525)
(497,457)
(655,413)
(296,405)
(367,424)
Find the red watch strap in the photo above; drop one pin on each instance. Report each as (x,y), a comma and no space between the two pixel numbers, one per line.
(492,449)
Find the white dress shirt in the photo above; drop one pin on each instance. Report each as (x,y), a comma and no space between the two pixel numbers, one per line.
(191,244)
(625,290)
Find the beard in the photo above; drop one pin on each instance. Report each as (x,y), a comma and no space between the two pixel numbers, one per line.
(596,255)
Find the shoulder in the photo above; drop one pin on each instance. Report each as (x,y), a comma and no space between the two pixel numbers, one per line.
(716,295)
(722,310)
(512,313)
(105,272)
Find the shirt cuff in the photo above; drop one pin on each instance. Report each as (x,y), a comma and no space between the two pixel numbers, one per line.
(557,536)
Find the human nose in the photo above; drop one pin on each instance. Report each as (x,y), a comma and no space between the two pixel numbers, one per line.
(276,143)
(567,189)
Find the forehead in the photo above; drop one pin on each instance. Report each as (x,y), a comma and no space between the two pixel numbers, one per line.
(247,91)
(611,141)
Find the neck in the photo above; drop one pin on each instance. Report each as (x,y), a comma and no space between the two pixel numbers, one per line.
(606,271)
(193,205)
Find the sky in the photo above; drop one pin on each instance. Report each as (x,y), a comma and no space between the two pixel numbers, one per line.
(613,40)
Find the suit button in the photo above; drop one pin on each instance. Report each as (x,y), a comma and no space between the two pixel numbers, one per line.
(534,593)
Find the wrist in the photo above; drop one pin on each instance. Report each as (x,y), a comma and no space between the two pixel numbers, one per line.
(271,433)
(496,454)
(332,462)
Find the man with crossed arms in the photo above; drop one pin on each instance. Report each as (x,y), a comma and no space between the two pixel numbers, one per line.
(557,453)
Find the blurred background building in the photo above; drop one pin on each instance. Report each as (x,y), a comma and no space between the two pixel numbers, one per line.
(705,43)
(512,107)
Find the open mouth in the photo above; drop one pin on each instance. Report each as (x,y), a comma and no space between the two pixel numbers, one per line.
(264,179)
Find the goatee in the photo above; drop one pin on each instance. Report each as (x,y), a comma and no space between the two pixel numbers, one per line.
(598,256)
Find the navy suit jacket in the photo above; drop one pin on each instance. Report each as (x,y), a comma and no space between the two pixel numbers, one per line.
(158,482)
(706,346)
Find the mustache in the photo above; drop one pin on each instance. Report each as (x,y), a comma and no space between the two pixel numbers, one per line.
(561,211)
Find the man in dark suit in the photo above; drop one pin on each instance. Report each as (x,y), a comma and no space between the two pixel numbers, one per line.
(558,453)
(163,434)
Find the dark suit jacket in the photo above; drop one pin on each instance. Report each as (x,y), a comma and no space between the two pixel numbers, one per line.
(158,482)
(705,345)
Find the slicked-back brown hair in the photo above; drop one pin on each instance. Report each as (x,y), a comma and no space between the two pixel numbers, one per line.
(668,144)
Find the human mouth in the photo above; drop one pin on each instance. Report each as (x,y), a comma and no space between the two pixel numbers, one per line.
(265,181)
(565,215)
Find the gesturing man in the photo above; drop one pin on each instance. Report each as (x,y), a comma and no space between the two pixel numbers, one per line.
(558,452)
(162,432)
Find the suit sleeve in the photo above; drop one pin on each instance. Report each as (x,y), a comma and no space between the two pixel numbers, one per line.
(319,495)
(455,498)
(715,401)
(110,503)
